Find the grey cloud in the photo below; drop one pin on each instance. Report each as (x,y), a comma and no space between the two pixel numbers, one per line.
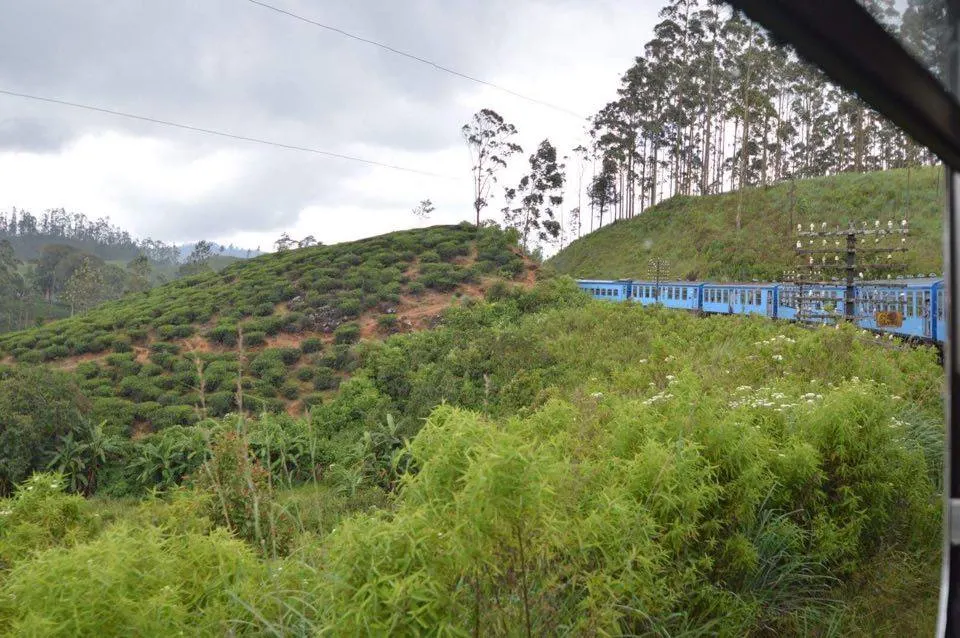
(32,134)
(234,66)
(270,194)
(229,63)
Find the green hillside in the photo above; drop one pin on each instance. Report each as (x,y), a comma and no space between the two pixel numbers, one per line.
(170,355)
(698,236)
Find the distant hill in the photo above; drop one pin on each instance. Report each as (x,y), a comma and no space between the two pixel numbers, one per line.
(698,236)
(170,354)
(222,251)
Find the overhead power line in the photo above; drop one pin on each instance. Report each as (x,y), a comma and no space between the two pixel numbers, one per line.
(416,58)
(242,138)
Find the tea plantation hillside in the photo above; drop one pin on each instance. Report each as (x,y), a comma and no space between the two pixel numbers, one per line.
(173,354)
(699,239)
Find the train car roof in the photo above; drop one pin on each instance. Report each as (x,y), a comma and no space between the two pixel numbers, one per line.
(912,281)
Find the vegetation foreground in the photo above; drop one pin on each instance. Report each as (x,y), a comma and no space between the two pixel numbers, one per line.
(538,464)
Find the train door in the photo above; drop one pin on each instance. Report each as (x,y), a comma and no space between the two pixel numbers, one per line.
(927,315)
(769,295)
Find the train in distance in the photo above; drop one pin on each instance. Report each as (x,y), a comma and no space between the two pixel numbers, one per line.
(912,308)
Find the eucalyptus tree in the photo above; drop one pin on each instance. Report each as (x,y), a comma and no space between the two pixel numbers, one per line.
(488,136)
(603,191)
(532,207)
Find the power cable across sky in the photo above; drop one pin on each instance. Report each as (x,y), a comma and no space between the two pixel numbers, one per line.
(233,136)
(416,58)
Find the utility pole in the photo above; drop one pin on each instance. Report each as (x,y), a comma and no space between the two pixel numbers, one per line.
(819,252)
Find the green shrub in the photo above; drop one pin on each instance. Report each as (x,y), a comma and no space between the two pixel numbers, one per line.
(264,309)
(441,277)
(289,356)
(254,338)
(220,403)
(150,370)
(416,288)
(346,333)
(148,583)
(305,374)
(55,352)
(341,357)
(42,516)
(138,389)
(38,406)
(290,390)
(449,250)
(117,413)
(350,307)
(310,345)
(325,378)
(171,415)
(265,389)
(223,335)
(175,331)
(87,369)
(30,357)
(387,323)
(122,343)
(234,479)
(313,400)
(169,348)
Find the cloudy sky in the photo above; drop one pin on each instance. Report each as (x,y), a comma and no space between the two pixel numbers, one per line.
(233,66)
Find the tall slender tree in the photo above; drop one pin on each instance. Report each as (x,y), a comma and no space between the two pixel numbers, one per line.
(488,136)
(540,193)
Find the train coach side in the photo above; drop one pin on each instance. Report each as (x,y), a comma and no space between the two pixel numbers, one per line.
(910,308)
(740,299)
(606,289)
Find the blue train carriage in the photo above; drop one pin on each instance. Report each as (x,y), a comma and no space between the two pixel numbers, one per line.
(681,295)
(740,299)
(606,289)
(910,308)
(822,302)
